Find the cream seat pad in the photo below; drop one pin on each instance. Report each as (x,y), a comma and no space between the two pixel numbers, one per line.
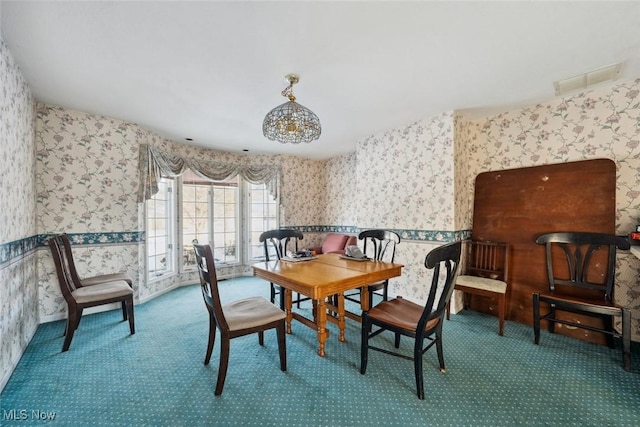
(483,283)
(91,281)
(250,312)
(101,292)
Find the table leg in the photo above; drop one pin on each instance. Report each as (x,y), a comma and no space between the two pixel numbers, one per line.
(288,307)
(341,316)
(321,323)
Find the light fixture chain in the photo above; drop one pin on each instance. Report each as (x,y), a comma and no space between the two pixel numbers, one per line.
(288,92)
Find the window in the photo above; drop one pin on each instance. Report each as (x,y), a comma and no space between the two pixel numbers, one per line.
(225,221)
(195,216)
(220,214)
(159,230)
(263,216)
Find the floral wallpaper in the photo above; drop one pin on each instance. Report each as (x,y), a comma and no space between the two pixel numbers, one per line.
(405,182)
(79,191)
(81,177)
(18,291)
(86,180)
(600,123)
(339,200)
(420,178)
(87,169)
(464,178)
(405,177)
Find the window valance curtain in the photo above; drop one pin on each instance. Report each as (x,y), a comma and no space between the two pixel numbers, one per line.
(154,164)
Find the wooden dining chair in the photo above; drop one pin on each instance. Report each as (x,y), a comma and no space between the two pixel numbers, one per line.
(237,318)
(379,245)
(79,296)
(485,273)
(92,280)
(276,245)
(420,322)
(581,269)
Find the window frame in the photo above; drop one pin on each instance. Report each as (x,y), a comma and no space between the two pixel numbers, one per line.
(170,207)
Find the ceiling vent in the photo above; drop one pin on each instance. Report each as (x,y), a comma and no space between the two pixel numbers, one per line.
(588,79)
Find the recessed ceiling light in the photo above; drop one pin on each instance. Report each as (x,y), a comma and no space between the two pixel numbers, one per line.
(590,78)
(188,139)
(245,150)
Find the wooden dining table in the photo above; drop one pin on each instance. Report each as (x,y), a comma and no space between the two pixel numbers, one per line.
(320,279)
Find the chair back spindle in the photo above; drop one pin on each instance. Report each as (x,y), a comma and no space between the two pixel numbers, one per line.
(380,244)
(487,259)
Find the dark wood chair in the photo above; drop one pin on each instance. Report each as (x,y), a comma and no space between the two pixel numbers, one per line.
(485,273)
(276,244)
(379,245)
(413,320)
(92,280)
(581,268)
(79,296)
(237,318)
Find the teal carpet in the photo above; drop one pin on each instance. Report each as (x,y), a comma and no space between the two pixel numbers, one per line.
(156,377)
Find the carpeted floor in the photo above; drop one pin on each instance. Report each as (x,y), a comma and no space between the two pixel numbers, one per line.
(156,377)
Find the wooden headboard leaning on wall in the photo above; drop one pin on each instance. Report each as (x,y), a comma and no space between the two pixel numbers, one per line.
(517,205)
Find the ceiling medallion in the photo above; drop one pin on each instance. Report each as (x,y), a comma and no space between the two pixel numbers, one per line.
(291,122)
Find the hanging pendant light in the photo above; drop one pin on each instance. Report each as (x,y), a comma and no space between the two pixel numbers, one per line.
(291,122)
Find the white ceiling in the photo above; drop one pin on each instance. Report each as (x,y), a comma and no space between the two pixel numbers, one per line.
(212,70)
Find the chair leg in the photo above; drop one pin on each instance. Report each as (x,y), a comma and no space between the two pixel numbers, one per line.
(466,300)
(72,323)
(397,340)
(552,324)
(364,343)
(124,311)
(78,317)
(129,310)
(448,309)
(275,292)
(212,338)
(224,363)
(626,339)
(298,301)
(443,369)
(272,297)
(334,301)
(608,326)
(502,308)
(536,318)
(417,365)
(282,345)
(261,337)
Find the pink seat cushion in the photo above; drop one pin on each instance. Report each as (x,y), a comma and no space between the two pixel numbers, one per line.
(334,243)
